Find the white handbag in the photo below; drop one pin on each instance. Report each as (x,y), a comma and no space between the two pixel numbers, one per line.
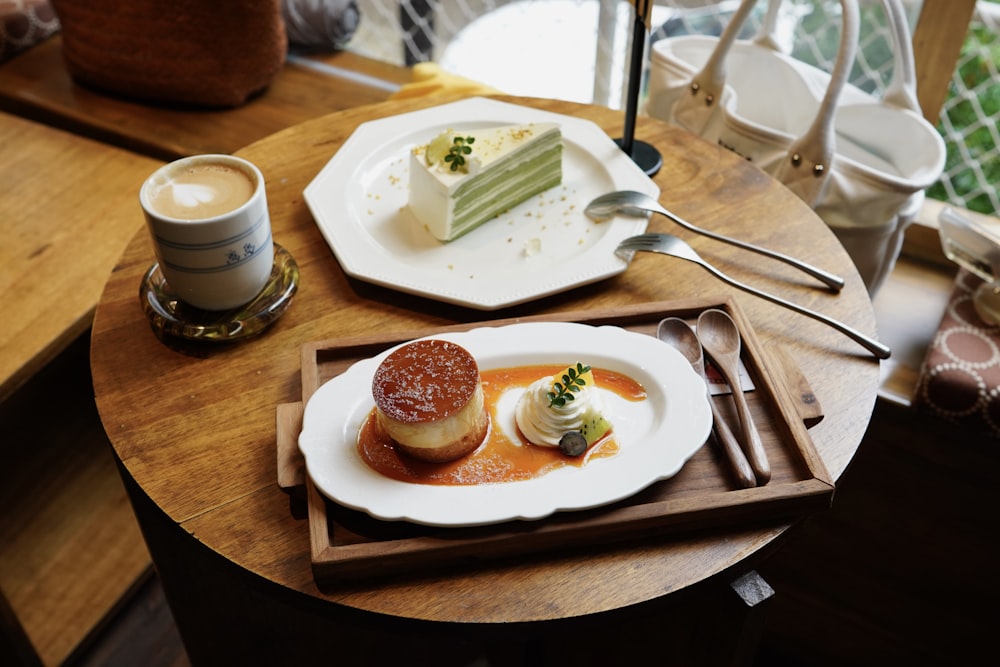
(861,162)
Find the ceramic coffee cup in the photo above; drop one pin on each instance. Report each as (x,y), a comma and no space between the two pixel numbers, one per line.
(208,219)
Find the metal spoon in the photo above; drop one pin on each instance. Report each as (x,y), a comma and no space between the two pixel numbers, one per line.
(721,339)
(668,244)
(675,332)
(633,203)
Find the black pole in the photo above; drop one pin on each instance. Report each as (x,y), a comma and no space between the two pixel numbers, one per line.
(634,80)
(645,156)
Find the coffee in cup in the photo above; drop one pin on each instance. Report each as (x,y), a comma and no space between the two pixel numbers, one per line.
(201,190)
(211,231)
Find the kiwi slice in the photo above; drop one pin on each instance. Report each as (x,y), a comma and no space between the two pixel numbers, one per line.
(575,443)
(594,427)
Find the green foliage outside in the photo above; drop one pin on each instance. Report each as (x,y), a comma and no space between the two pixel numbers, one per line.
(977,78)
(978,81)
(977,145)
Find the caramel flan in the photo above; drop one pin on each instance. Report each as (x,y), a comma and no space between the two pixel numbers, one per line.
(429,400)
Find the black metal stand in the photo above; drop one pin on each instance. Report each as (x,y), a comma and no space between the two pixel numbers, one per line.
(647,157)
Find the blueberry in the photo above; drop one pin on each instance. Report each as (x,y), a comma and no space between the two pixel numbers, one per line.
(573,443)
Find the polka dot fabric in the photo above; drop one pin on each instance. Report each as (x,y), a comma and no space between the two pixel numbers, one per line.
(960,376)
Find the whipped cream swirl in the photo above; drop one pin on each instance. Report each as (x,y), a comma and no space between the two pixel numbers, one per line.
(544,425)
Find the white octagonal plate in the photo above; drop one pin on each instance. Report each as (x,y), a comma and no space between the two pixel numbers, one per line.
(543,246)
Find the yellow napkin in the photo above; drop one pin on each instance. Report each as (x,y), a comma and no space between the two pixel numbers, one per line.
(429,78)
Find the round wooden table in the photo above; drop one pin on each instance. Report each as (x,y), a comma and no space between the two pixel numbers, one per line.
(194,428)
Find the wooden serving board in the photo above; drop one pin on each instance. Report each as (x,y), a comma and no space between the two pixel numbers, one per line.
(348,544)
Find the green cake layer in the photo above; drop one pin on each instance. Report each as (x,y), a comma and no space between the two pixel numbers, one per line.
(497,169)
(507,184)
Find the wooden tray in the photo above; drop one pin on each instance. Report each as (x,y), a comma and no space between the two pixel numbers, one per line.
(348,545)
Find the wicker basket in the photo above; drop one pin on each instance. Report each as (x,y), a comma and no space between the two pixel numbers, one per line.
(214,53)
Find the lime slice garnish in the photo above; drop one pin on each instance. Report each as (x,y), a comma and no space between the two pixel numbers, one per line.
(438,148)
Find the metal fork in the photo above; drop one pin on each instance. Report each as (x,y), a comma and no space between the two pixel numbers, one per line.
(628,202)
(668,244)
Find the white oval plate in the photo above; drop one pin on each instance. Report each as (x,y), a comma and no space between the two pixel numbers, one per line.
(656,436)
(359,201)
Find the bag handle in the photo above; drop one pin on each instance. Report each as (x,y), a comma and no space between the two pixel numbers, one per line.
(708,85)
(769,27)
(810,151)
(809,157)
(902,88)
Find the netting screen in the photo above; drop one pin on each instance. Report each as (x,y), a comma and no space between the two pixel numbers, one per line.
(578,50)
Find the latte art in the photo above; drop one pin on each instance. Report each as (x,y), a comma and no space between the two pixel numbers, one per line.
(202,191)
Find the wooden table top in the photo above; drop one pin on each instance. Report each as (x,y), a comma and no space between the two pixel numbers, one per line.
(37,85)
(195,428)
(60,243)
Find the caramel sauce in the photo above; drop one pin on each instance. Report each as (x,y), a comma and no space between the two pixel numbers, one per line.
(498,459)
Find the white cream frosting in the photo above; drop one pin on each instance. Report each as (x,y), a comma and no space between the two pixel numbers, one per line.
(544,425)
(492,144)
(507,165)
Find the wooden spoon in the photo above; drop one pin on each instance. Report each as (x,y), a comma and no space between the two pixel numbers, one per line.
(721,340)
(675,332)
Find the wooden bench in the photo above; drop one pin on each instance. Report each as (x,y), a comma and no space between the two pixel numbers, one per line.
(36,85)
(57,252)
(58,249)
(72,549)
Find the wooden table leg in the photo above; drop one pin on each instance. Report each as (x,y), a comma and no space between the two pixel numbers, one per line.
(733,637)
(754,592)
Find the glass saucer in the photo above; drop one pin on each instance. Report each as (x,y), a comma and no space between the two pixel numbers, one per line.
(169,316)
